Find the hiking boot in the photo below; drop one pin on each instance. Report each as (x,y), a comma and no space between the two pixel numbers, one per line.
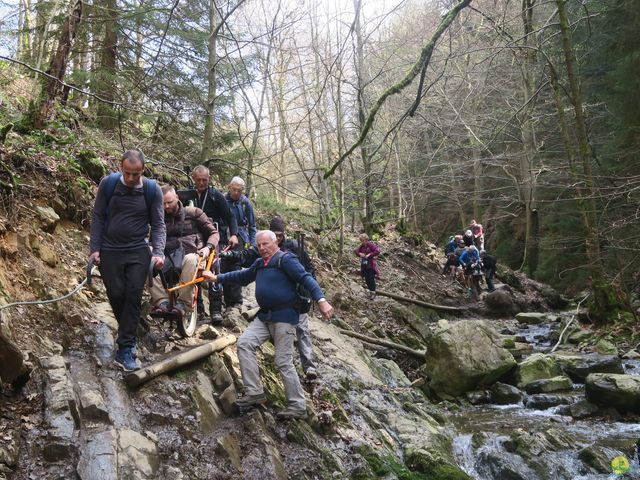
(216,319)
(291,412)
(311,373)
(125,360)
(248,401)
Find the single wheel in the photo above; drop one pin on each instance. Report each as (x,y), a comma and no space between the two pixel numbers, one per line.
(187,324)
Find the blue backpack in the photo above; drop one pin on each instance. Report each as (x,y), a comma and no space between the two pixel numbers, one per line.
(148,189)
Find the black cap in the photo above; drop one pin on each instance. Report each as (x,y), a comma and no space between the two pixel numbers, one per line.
(277,224)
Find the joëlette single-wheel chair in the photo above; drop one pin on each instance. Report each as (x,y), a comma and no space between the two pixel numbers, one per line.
(185,323)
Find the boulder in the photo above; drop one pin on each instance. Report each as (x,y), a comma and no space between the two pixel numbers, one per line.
(543,401)
(500,303)
(547,385)
(48,218)
(532,318)
(536,367)
(605,347)
(504,394)
(614,390)
(583,409)
(577,367)
(464,355)
(598,458)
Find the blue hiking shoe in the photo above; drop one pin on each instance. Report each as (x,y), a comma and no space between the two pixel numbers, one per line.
(125,359)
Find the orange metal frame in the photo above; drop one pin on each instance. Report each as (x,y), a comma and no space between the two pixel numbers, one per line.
(195,278)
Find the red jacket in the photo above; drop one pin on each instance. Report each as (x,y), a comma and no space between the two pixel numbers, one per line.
(373,251)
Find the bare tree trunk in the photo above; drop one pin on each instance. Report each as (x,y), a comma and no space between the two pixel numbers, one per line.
(367,216)
(107,117)
(53,85)
(24,48)
(606,301)
(528,182)
(214,27)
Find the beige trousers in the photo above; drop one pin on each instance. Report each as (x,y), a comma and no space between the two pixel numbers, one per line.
(185,295)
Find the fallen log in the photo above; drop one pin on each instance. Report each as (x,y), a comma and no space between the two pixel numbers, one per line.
(179,360)
(385,343)
(249,315)
(419,302)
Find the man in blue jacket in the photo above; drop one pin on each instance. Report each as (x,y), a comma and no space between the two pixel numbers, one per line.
(276,274)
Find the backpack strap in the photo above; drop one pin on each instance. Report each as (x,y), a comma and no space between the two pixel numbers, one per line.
(149,190)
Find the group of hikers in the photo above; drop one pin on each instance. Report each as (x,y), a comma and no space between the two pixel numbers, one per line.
(136,222)
(466,258)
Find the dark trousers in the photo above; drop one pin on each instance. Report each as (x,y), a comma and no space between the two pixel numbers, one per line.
(124,274)
(232,293)
(488,276)
(370,277)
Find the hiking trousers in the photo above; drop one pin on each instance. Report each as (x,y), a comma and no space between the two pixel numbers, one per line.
(124,274)
(185,294)
(282,335)
(370,277)
(305,347)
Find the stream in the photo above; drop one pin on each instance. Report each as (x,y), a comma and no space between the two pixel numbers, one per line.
(514,442)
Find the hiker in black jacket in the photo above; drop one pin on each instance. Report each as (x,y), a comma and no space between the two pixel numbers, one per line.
(215,206)
(489,267)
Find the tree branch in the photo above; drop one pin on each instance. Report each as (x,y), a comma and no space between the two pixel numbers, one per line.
(425,57)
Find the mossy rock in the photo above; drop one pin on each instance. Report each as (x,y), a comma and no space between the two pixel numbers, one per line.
(423,466)
(510,278)
(536,367)
(431,467)
(91,165)
(605,347)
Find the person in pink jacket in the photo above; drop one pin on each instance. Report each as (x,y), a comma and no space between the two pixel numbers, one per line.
(368,251)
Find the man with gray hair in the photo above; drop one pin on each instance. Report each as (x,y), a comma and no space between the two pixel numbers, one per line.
(242,210)
(214,205)
(276,274)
